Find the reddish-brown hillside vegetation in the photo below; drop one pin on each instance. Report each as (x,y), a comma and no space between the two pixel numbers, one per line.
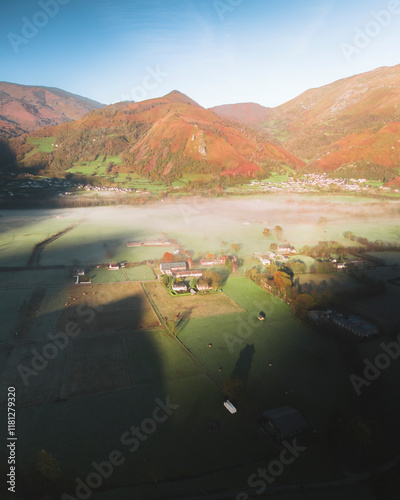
(349,119)
(171,136)
(27,108)
(248,112)
(382,147)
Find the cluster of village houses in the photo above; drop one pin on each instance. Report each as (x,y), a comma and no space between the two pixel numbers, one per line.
(181,270)
(281,255)
(316,182)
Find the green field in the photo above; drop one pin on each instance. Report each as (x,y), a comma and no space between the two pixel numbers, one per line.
(43,144)
(139,273)
(294,351)
(108,377)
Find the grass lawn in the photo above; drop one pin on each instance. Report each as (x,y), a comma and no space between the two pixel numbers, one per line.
(301,360)
(198,306)
(105,275)
(139,273)
(118,306)
(390,258)
(20,231)
(43,144)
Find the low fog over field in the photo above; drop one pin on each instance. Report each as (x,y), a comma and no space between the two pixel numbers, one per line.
(199,225)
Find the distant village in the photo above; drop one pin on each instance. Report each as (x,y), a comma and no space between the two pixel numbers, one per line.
(318,182)
(308,183)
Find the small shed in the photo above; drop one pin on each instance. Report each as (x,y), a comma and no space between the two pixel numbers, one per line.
(285,421)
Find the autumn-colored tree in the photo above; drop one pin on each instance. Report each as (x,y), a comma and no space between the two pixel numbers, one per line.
(303,303)
(168,257)
(252,273)
(235,247)
(210,256)
(282,280)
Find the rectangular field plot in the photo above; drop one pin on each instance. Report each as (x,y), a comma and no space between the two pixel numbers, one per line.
(389,258)
(280,360)
(198,306)
(37,380)
(139,273)
(10,306)
(95,365)
(105,275)
(34,277)
(21,230)
(98,308)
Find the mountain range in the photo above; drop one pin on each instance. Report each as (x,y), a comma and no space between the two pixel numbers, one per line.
(26,108)
(351,120)
(353,123)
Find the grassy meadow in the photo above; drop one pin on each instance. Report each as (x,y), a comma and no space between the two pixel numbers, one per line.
(110,376)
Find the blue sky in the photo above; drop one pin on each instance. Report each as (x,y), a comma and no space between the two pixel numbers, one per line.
(216,51)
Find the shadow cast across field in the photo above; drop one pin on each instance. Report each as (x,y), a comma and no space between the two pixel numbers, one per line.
(77,394)
(243,364)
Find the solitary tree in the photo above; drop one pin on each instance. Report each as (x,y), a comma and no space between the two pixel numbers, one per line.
(267,232)
(235,247)
(233,388)
(278,232)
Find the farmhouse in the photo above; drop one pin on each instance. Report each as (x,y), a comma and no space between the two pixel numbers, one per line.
(204,286)
(113,266)
(283,422)
(286,250)
(158,243)
(189,273)
(172,267)
(134,244)
(219,261)
(179,287)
